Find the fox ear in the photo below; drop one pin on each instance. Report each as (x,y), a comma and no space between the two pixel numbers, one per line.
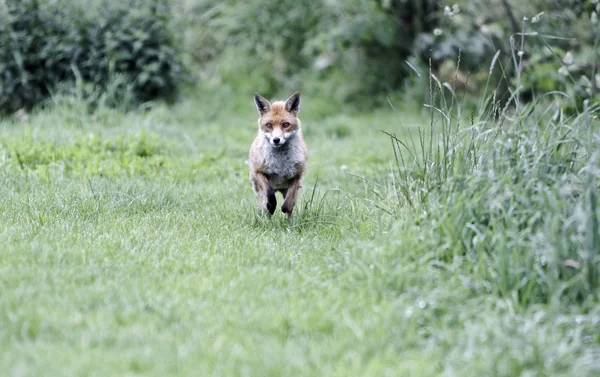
(262,105)
(293,103)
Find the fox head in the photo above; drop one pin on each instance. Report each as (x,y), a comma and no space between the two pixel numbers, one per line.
(278,121)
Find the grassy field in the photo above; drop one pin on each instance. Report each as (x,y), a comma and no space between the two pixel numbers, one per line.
(132,245)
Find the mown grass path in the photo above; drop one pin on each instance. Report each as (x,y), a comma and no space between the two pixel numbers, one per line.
(131,245)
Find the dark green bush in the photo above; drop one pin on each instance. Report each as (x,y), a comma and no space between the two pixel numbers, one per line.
(460,32)
(374,39)
(44,44)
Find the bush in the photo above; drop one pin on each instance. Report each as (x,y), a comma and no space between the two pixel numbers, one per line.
(375,38)
(43,44)
(558,39)
(562,54)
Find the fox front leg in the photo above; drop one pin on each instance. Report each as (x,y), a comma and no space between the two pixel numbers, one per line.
(265,193)
(290,198)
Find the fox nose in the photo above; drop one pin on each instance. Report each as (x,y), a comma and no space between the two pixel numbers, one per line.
(276,140)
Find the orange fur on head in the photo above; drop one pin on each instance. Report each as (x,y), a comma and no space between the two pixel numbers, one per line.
(279,119)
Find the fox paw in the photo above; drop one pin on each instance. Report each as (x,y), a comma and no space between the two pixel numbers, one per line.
(271,201)
(287,209)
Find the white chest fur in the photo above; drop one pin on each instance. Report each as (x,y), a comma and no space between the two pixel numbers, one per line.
(281,165)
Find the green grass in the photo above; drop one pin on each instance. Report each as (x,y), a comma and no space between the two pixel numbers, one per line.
(132,244)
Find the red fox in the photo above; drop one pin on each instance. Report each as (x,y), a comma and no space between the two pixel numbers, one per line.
(277,157)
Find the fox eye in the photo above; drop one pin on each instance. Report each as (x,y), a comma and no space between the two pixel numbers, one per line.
(269,125)
(285,125)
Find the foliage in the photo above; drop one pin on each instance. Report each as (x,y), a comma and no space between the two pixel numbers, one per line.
(371,40)
(271,44)
(513,194)
(466,30)
(553,45)
(357,50)
(44,44)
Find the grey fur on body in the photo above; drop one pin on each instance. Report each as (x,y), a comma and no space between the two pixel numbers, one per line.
(279,164)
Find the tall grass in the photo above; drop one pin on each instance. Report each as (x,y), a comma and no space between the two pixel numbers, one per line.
(511,193)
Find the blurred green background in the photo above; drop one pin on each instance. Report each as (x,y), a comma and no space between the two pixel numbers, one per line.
(348,51)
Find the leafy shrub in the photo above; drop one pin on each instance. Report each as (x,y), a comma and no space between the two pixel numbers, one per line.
(561,51)
(460,31)
(43,44)
(557,39)
(372,39)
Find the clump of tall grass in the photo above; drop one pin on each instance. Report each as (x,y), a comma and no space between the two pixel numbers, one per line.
(509,191)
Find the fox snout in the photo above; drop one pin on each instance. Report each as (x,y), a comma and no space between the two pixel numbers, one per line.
(277,139)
